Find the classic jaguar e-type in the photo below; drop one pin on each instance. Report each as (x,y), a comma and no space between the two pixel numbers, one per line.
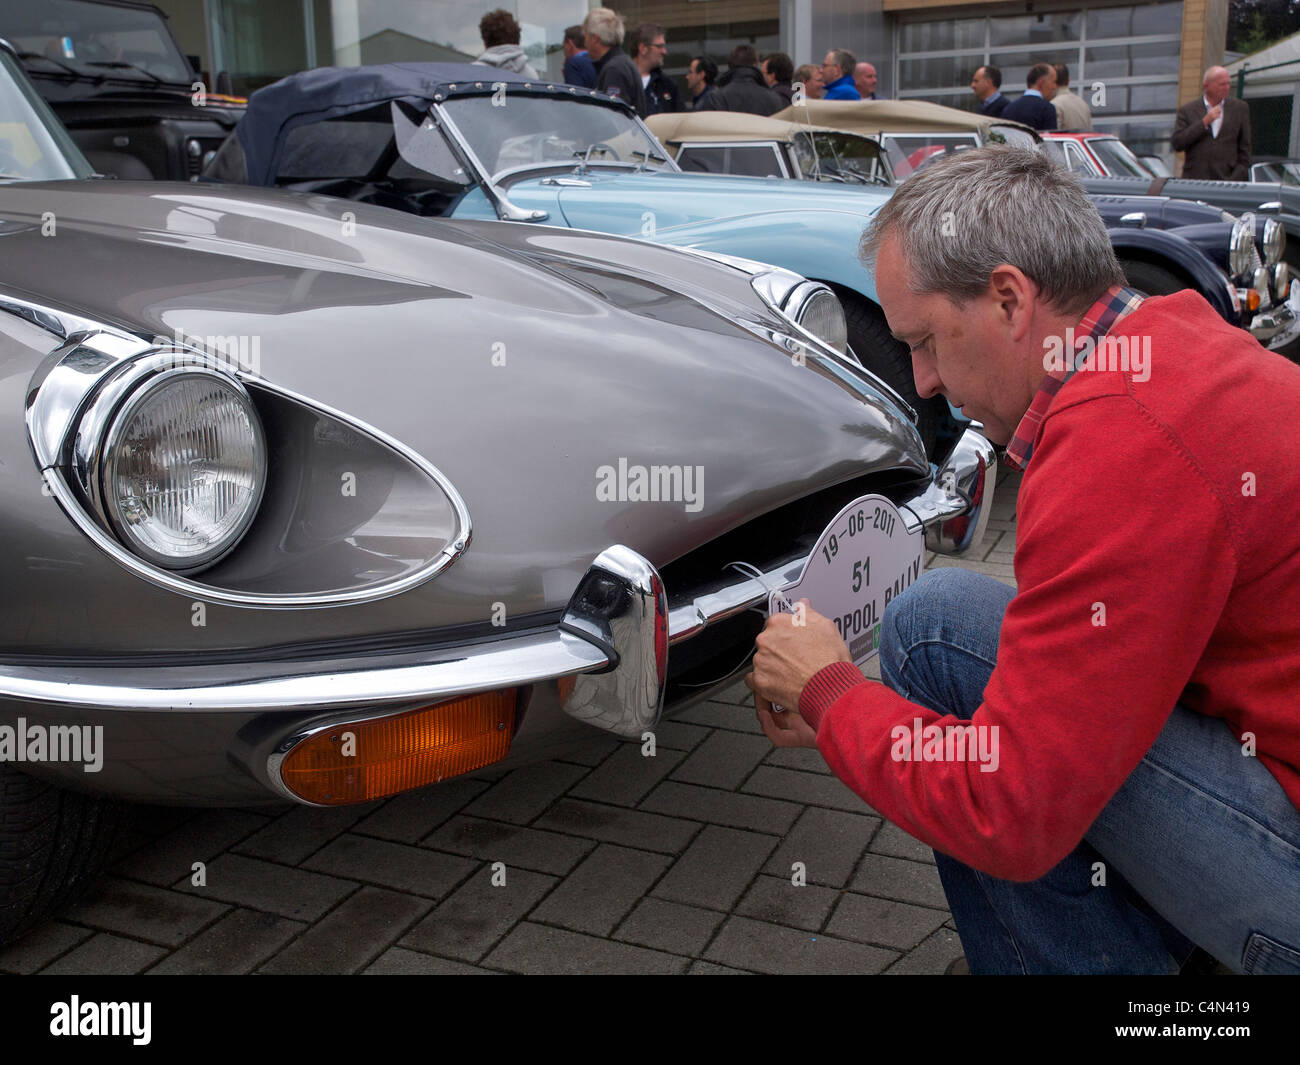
(312,505)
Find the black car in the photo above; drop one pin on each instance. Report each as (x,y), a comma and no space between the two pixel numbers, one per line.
(117,79)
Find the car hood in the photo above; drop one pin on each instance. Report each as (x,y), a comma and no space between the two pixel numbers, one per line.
(520,360)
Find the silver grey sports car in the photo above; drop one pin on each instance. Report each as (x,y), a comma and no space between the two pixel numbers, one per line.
(309,506)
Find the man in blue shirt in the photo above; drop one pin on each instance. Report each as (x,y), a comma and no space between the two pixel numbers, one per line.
(987,87)
(578,67)
(837,74)
(1034,108)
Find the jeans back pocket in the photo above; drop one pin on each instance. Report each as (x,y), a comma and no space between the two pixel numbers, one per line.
(1268,957)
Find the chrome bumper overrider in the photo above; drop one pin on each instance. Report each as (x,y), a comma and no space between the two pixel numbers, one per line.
(1279,325)
(613,641)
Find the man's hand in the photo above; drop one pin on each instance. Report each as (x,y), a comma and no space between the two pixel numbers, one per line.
(1212,115)
(791,649)
(784,730)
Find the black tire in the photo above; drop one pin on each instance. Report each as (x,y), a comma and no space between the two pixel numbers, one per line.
(53,845)
(889,359)
(1151,280)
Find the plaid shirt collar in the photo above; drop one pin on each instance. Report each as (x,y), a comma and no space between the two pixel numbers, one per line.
(1097,321)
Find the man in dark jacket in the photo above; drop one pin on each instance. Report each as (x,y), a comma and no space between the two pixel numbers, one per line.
(578,67)
(650,47)
(987,87)
(1035,108)
(742,88)
(1214,132)
(778,72)
(700,78)
(616,74)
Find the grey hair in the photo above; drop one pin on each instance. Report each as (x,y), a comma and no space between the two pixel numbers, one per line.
(605,25)
(964,216)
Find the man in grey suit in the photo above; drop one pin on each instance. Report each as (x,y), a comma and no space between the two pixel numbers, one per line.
(1214,132)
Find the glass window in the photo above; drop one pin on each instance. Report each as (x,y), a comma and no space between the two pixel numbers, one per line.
(1044,28)
(347,147)
(34,146)
(944,70)
(1128,60)
(1116,158)
(1153,97)
(1157,18)
(743,160)
(956,35)
(908,153)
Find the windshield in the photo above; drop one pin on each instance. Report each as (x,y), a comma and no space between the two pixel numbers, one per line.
(33,145)
(1116,158)
(526,131)
(91,40)
(909,152)
(841,157)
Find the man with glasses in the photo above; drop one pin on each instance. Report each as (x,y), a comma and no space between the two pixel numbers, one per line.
(837,75)
(661,93)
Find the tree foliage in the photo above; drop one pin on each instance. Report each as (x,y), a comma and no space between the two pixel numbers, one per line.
(1255,24)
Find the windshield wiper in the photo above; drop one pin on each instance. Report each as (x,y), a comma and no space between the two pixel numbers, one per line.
(119,64)
(96,78)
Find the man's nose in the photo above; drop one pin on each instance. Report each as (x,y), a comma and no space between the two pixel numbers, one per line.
(928,382)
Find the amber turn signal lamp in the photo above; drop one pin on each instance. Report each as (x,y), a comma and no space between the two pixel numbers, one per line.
(1252,300)
(370,759)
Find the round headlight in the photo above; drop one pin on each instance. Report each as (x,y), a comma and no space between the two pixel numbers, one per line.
(818,310)
(183,468)
(1281,282)
(1274,241)
(1260,284)
(1241,245)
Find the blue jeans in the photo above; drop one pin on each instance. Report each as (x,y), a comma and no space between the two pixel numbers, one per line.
(1200,845)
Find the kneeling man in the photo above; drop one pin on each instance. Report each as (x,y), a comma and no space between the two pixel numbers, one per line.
(1128,778)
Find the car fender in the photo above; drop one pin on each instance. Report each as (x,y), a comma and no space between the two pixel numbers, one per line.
(1182,257)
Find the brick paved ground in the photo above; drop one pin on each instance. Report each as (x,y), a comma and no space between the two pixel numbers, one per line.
(613,862)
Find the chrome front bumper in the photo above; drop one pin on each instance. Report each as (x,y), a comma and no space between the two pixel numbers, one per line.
(1279,325)
(609,653)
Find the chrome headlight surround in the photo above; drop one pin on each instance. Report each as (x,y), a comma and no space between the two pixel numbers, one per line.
(1281,282)
(809,304)
(1241,249)
(1274,241)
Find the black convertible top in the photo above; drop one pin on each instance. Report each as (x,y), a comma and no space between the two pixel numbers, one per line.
(328,92)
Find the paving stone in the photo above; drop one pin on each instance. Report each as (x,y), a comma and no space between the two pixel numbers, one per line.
(894,878)
(199,839)
(236,944)
(260,885)
(627,775)
(710,968)
(804,759)
(534,948)
(592,752)
(679,736)
(614,824)
(998,570)
(736,693)
(409,817)
(527,792)
(893,841)
(104,954)
(769,948)
(164,917)
(724,760)
(669,926)
(734,716)
(716,868)
(399,866)
(40,947)
(470,922)
(721,807)
(931,958)
(496,841)
(159,820)
(778,901)
(397,961)
(601,891)
(301,832)
(898,925)
(811,789)
(353,935)
(828,842)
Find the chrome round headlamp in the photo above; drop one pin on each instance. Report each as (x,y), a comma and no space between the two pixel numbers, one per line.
(1281,282)
(1274,241)
(1260,284)
(818,310)
(1241,246)
(182,467)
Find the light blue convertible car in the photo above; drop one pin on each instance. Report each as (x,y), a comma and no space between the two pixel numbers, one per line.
(469,142)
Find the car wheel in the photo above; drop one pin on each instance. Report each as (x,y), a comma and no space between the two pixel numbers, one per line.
(53,844)
(888,359)
(1150,280)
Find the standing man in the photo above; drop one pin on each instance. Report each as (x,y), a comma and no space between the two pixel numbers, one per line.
(1128,777)
(1034,108)
(616,74)
(578,68)
(864,80)
(837,74)
(742,88)
(1072,112)
(1214,132)
(778,72)
(661,93)
(500,33)
(810,77)
(986,85)
(700,78)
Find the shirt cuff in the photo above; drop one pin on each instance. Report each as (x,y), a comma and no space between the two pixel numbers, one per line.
(825,687)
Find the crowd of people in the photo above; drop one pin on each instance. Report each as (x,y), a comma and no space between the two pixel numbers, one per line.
(1046,103)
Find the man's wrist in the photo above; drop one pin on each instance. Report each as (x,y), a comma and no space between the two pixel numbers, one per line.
(825,687)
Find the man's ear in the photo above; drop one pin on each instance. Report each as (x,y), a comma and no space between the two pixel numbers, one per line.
(1014,294)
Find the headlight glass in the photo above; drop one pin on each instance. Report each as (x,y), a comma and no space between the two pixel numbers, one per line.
(1274,241)
(1241,245)
(183,468)
(822,314)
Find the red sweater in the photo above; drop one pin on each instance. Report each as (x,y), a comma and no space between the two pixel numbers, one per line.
(1174,503)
